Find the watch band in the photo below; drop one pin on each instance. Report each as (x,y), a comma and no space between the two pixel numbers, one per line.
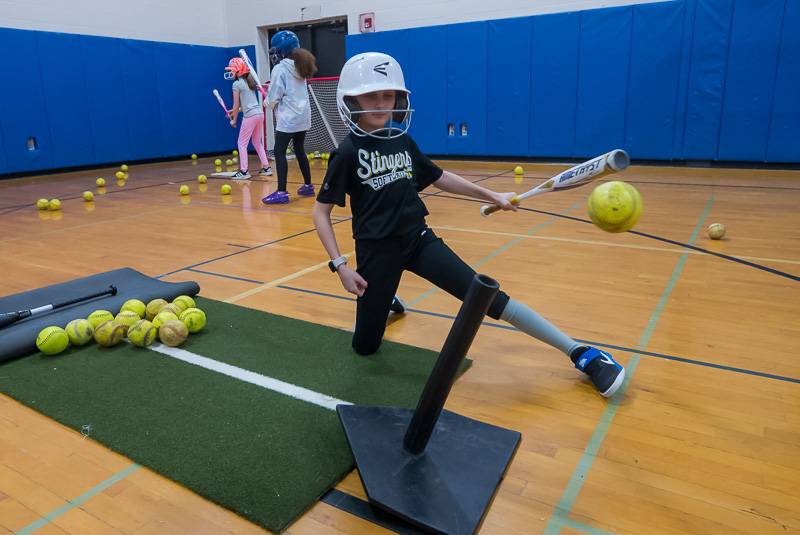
(336,263)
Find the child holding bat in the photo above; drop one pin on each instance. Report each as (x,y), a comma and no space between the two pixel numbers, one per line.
(288,95)
(382,170)
(245,98)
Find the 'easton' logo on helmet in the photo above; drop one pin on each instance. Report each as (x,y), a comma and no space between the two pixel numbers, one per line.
(381,68)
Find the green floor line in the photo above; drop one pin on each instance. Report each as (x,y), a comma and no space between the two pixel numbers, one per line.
(77,502)
(496,252)
(560,518)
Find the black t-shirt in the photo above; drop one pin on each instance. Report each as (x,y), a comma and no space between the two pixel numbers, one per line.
(383,178)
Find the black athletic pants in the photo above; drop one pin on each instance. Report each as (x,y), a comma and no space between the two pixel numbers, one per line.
(382,262)
(281,166)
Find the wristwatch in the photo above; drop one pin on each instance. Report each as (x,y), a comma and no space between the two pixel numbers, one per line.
(336,263)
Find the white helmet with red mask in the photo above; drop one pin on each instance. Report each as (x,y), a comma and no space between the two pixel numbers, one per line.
(365,73)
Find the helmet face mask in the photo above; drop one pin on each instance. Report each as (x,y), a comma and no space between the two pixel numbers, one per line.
(400,115)
(236,68)
(368,73)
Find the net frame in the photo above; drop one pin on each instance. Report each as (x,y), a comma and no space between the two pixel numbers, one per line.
(327,128)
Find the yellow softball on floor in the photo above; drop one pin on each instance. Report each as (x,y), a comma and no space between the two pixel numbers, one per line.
(88,196)
(126,318)
(142,333)
(225,189)
(134,305)
(163,317)
(184,190)
(184,301)
(43,204)
(79,331)
(228,162)
(518,170)
(123,167)
(716,231)
(202,179)
(109,333)
(100,182)
(173,333)
(194,156)
(235,152)
(120,175)
(99,316)
(194,319)
(52,340)
(217,162)
(54,204)
(154,307)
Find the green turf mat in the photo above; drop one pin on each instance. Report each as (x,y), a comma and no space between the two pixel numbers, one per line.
(262,454)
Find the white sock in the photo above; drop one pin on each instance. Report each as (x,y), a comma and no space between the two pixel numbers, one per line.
(532,323)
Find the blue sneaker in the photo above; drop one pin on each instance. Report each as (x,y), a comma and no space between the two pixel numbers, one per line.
(276,197)
(605,372)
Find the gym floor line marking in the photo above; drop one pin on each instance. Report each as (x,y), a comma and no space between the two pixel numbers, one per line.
(641,352)
(493,254)
(567,501)
(77,502)
(606,244)
(276,385)
(277,282)
(233,277)
(278,240)
(761,267)
(90,224)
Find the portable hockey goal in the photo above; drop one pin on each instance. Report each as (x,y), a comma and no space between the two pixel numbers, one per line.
(327,128)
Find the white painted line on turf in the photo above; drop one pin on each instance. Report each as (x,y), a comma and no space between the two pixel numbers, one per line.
(277,282)
(607,244)
(276,385)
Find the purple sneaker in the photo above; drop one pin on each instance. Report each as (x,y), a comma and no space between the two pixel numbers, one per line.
(306,190)
(277,197)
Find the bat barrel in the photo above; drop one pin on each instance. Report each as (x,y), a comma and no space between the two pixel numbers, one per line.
(618,160)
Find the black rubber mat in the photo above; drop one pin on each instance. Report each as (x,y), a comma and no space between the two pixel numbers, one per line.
(19,339)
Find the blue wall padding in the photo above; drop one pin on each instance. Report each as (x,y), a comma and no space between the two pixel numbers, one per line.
(508,85)
(23,109)
(682,80)
(752,61)
(466,86)
(93,100)
(143,110)
(65,98)
(707,78)
(652,92)
(106,96)
(174,72)
(554,84)
(3,164)
(750,80)
(603,69)
(429,88)
(785,119)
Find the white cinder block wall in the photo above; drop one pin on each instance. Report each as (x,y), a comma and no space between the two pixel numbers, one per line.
(243,17)
(200,22)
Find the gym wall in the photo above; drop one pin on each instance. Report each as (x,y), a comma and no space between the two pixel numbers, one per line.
(710,80)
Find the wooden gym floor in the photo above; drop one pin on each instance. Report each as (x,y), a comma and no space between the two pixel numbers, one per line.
(705,438)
